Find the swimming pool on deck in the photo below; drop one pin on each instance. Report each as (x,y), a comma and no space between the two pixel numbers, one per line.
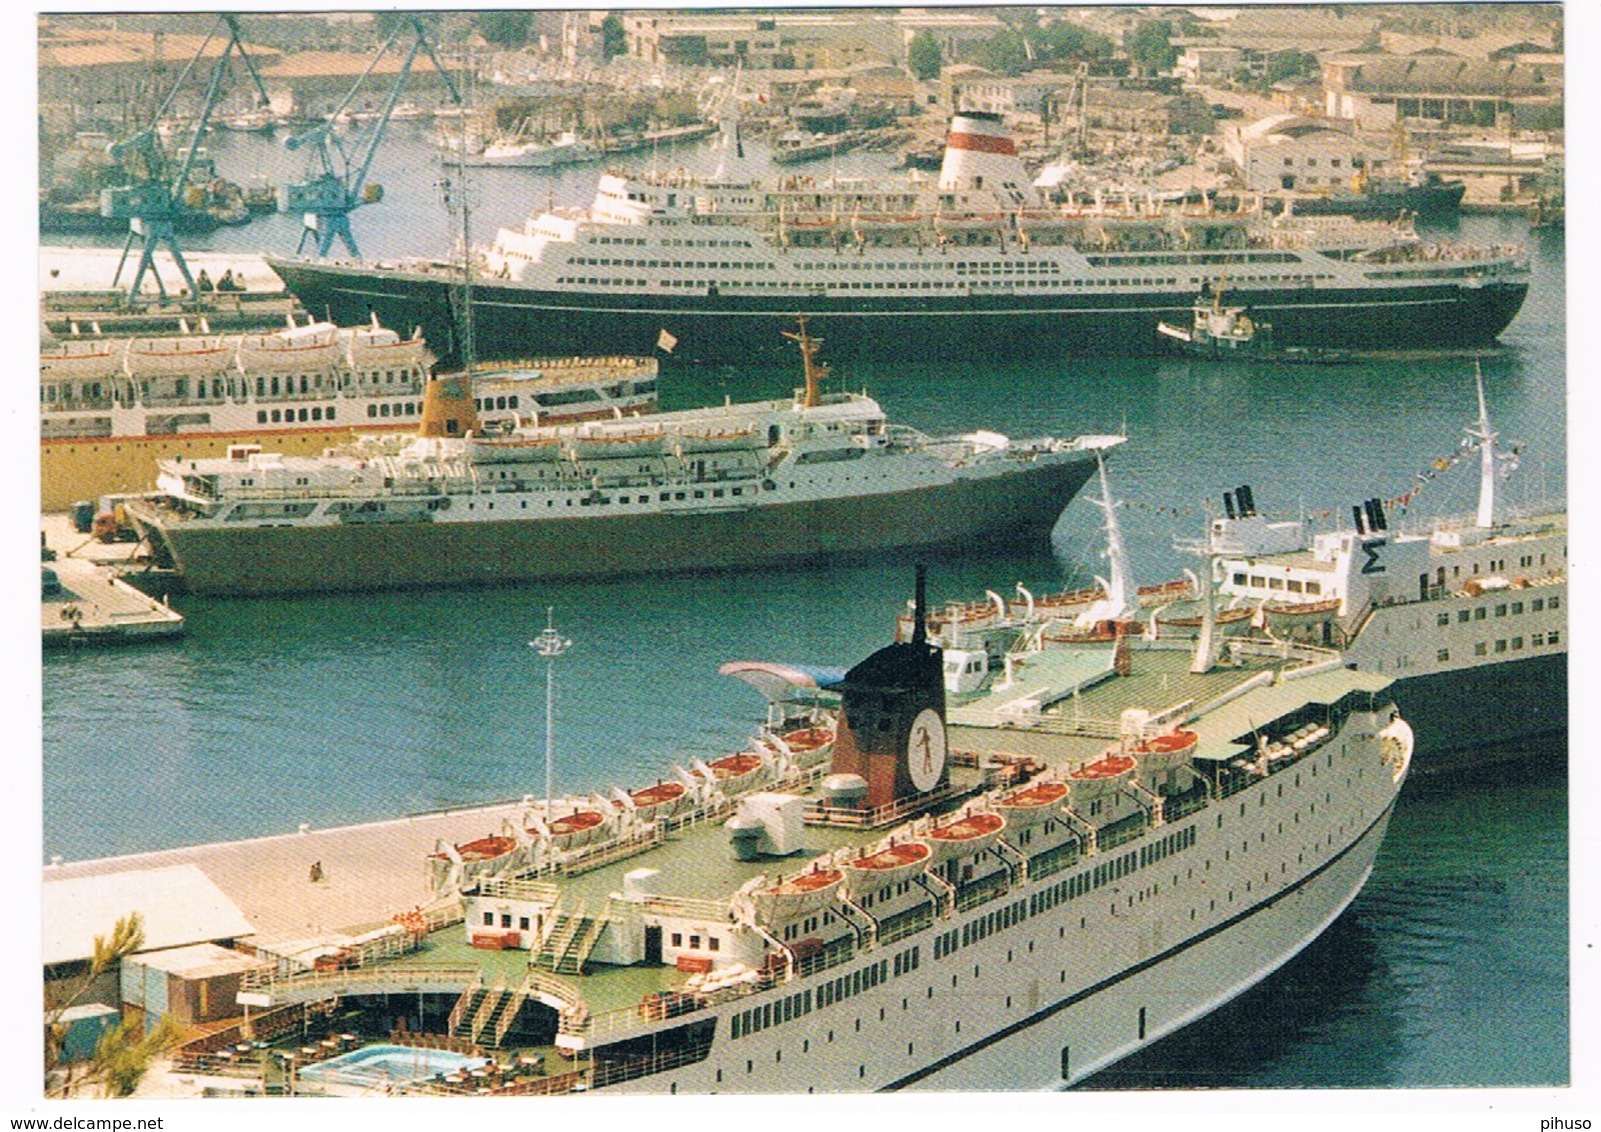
(388,1065)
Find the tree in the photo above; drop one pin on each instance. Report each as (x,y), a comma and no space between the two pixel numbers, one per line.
(613,36)
(1148,45)
(923,56)
(1005,53)
(508,29)
(124,1054)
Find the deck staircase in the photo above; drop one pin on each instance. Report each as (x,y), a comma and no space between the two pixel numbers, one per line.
(568,945)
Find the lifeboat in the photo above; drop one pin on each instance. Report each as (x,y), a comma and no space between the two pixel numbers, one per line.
(800,894)
(1104,776)
(371,348)
(512,449)
(965,836)
(688,443)
(893,863)
(1033,804)
(484,849)
(80,361)
(1225,620)
(968,221)
(162,357)
(1166,593)
(312,348)
(736,773)
(1159,753)
(576,829)
(606,447)
(1287,613)
(661,800)
(809,746)
(884,223)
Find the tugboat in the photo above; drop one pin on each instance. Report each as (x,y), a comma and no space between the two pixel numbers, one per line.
(1218,331)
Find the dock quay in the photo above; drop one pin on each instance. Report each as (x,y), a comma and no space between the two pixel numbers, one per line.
(91,604)
(365,874)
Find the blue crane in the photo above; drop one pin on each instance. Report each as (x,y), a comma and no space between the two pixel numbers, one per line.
(158,200)
(338,184)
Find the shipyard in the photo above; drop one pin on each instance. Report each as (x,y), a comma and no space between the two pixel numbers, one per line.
(890,550)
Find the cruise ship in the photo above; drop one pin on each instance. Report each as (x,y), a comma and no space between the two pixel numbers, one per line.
(1467,615)
(972,264)
(808,478)
(896,889)
(111,408)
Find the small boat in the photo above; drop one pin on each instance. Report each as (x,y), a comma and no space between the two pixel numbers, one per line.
(179,355)
(890,865)
(1219,331)
(966,835)
(805,892)
(659,801)
(295,349)
(1033,804)
(89,359)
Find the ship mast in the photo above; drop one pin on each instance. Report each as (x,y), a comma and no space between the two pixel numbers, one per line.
(1115,606)
(813,371)
(1486,438)
(460,208)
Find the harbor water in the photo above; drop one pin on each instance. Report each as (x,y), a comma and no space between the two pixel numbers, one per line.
(1449,970)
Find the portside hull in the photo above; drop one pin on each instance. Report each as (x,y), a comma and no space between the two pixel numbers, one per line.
(730,329)
(1073,986)
(249,561)
(1473,716)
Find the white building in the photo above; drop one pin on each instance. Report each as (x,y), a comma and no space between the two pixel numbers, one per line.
(1291,152)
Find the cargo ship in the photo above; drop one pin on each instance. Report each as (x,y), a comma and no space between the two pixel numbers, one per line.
(973,264)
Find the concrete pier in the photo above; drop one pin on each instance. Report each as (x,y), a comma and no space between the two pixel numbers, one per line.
(92,605)
(366,873)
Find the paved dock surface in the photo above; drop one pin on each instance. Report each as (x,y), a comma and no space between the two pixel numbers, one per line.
(368,872)
(92,606)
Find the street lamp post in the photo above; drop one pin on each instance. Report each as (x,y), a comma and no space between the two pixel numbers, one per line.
(550,644)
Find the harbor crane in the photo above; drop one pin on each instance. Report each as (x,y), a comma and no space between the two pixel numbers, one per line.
(338,182)
(159,199)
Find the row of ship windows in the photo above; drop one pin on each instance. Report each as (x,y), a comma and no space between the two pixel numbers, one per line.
(1502,609)
(315,413)
(1293,585)
(1504,644)
(800,1004)
(1068,888)
(662,497)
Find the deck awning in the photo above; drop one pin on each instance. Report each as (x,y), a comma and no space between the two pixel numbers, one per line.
(780,681)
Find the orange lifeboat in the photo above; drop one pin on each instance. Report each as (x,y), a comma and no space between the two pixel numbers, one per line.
(737,772)
(800,894)
(966,836)
(660,800)
(579,828)
(893,863)
(1033,804)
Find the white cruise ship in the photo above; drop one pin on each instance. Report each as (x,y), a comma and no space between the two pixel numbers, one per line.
(878,897)
(972,264)
(808,478)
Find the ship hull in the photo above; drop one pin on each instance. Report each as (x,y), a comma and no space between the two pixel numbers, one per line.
(1071,1040)
(265,560)
(1075,986)
(729,329)
(1474,716)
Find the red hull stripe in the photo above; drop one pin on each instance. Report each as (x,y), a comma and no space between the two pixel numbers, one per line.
(981,143)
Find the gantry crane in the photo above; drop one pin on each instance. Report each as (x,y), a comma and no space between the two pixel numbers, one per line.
(338,183)
(157,199)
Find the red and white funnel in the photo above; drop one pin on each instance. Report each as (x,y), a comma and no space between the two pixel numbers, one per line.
(980,154)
